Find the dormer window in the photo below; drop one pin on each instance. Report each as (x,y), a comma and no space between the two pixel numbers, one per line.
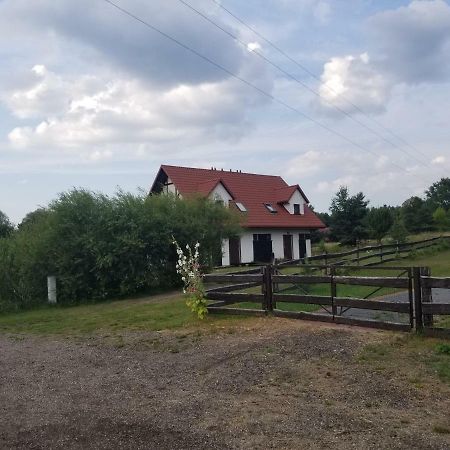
(297,209)
(241,207)
(270,208)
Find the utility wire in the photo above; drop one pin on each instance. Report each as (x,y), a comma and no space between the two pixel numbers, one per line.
(313,75)
(248,83)
(292,77)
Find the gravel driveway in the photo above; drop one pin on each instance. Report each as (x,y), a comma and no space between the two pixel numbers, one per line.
(264,384)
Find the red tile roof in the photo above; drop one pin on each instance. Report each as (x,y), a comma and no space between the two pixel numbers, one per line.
(252,190)
(206,187)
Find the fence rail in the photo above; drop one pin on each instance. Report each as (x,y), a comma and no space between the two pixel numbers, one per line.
(418,284)
(384,250)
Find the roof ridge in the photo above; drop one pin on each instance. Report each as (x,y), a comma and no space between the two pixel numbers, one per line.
(222,171)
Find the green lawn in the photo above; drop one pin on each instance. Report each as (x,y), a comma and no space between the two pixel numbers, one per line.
(115,316)
(439,263)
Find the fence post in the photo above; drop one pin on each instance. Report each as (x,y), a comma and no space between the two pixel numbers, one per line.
(411,297)
(273,303)
(357,253)
(418,299)
(51,289)
(268,293)
(333,289)
(427,297)
(381,251)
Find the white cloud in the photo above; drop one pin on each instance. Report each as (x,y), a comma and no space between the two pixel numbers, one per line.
(438,160)
(78,118)
(252,46)
(413,42)
(353,80)
(410,44)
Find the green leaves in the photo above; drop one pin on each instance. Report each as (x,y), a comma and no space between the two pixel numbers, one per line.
(101,247)
(347,214)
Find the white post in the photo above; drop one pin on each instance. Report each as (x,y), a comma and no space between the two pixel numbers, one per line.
(51,287)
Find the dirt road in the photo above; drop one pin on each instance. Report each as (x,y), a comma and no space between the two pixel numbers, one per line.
(265,384)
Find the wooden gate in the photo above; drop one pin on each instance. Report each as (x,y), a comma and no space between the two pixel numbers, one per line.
(261,291)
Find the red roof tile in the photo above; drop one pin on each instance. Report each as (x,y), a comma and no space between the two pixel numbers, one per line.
(252,190)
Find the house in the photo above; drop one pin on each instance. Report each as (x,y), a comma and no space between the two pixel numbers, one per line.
(276,217)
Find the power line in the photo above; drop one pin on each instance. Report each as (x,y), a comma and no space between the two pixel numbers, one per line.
(292,77)
(246,82)
(313,75)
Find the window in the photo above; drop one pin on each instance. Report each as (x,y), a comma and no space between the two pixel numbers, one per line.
(296,209)
(241,207)
(270,208)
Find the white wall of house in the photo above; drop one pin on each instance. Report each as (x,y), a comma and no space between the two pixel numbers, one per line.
(277,244)
(296,198)
(220,193)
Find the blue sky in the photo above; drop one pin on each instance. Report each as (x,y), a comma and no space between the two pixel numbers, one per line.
(90,98)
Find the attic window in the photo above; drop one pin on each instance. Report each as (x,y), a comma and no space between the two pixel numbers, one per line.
(296,209)
(241,207)
(270,208)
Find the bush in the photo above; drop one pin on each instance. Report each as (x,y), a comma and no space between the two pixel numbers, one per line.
(100,247)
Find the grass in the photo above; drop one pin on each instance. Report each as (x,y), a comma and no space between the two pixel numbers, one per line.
(414,356)
(114,316)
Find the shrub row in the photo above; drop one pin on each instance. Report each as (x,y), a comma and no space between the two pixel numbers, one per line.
(101,247)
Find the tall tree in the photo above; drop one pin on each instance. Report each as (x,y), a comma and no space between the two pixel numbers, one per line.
(416,215)
(347,214)
(398,231)
(441,219)
(6,227)
(378,222)
(438,194)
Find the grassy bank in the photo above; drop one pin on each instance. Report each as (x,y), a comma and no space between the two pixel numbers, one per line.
(110,317)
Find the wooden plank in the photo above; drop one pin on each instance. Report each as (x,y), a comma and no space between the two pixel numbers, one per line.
(218,278)
(303,315)
(236,311)
(233,287)
(213,305)
(436,282)
(394,282)
(372,323)
(373,267)
(437,332)
(436,308)
(309,299)
(377,305)
(234,297)
(299,279)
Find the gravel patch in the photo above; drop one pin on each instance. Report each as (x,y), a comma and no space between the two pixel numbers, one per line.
(270,384)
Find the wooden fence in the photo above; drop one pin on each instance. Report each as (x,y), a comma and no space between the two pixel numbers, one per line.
(382,253)
(415,285)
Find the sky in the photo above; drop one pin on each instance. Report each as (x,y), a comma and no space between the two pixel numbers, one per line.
(352,92)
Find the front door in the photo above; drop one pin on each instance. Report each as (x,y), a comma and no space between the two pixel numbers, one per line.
(235,251)
(302,245)
(287,246)
(262,248)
